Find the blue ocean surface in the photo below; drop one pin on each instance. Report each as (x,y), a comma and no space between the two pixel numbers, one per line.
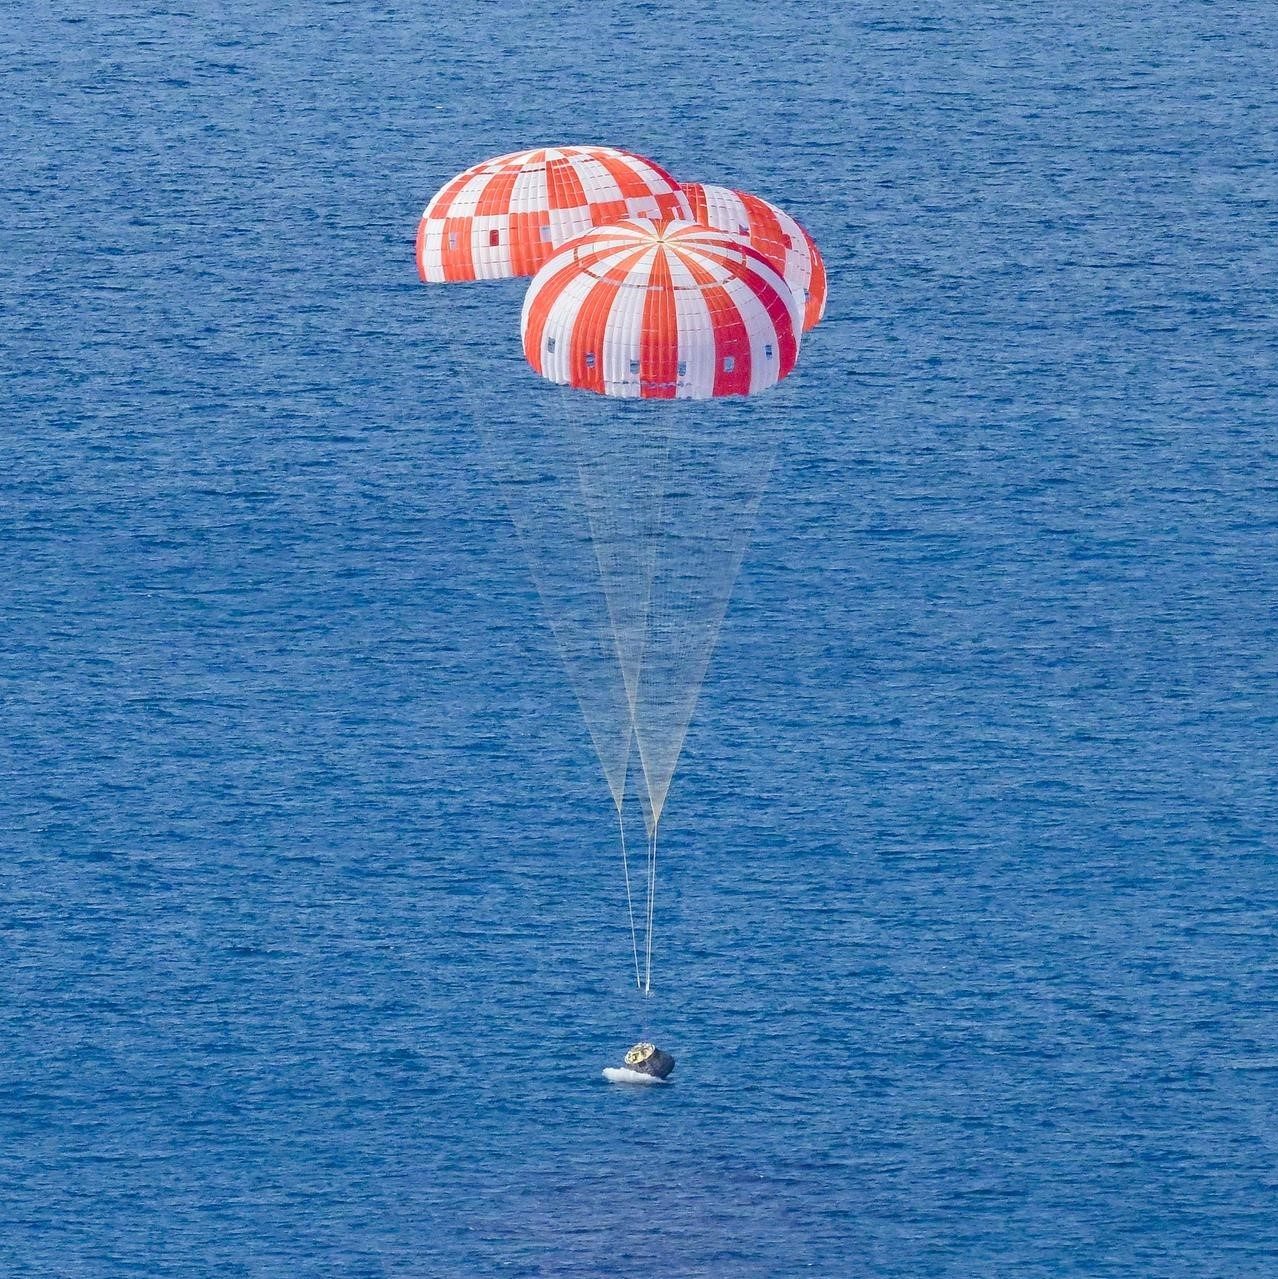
(312,928)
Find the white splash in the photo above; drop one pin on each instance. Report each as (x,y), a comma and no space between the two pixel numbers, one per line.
(620,1075)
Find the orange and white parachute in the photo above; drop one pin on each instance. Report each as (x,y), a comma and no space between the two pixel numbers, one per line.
(661,310)
(635,517)
(778,236)
(505,216)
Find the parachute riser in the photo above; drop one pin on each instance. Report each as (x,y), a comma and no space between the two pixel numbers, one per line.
(652,895)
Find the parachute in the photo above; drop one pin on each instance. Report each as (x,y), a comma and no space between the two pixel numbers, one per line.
(634,466)
(790,249)
(506,216)
(660,311)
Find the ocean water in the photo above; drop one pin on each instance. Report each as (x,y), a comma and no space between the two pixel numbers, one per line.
(312,944)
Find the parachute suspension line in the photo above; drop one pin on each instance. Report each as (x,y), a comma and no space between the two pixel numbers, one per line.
(652,894)
(630,909)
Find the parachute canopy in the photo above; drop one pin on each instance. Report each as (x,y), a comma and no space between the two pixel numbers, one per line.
(504,217)
(661,310)
(773,232)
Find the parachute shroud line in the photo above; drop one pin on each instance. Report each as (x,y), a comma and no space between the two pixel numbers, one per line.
(630,907)
(634,517)
(634,524)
